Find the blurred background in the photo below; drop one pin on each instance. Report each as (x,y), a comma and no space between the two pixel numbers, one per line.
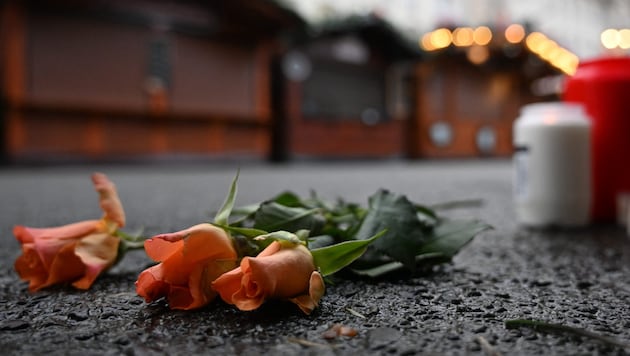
(271,80)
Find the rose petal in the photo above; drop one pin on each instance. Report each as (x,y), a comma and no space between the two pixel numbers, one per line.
(150,285)
(206,241)
(108,199)
(176,269)
(317,287)
(278,271)
(285,273)
(305,303)
(228,284)
(238,289)
(66,266)
(73,231)
(76,252)
(272,249)
(179,297)
(98,252)
(30,267)
(161,247)
(191,260)
(181,251)
(308,302)
(48,241)
(201,280)
(252,292)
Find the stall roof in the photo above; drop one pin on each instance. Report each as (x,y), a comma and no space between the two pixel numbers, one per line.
(372,29)
(234,19)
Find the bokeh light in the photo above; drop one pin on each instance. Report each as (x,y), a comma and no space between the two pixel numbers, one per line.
(478,54)
(534,41)
(477,41)
(425,42)
(624,38)
(482,35)
(551,52)
(514,33)
(441,38)
(610,38)
(463,36)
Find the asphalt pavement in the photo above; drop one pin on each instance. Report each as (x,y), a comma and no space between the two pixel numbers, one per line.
(576,278)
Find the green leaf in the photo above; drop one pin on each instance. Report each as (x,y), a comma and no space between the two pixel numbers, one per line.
(398,215)
(272,216)
(444,241)
(246,209)
(389,267)
(331,259)
(449,236)
(320,241)
(289,199)
(244,231)
(379,270)
(224,213)
(426,211)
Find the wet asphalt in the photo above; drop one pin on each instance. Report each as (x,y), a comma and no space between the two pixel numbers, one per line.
(578,278)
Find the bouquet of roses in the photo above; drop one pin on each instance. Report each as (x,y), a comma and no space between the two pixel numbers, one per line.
(282,248)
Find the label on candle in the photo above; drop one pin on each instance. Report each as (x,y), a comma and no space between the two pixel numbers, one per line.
(521,158)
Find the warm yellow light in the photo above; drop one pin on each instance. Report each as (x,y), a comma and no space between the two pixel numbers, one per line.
(567,62)
(547,48)
(554,54)
(534,41)
(551,52)
(425,42)
(514,33)
(610,38)
(482,35)
(463,36)
(441,38)
(624,38)
(572,63)
(478,54)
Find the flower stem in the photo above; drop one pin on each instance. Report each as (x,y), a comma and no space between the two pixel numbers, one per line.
(130,242)
(559,328)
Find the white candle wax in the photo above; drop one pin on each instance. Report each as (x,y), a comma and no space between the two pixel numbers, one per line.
(552,165)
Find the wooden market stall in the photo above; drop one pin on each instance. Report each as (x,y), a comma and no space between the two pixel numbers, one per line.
(341,91)
(468,95)
(110,80)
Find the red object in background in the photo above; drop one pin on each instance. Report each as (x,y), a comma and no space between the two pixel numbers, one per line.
(603,87)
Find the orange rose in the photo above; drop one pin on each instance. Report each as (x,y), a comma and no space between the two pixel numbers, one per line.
(190,260)
(279,271)
(75,253)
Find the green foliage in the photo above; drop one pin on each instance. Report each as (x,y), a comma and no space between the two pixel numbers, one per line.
(398,215)
(441,244)
(272,216)
(449,236)
(331,259)
(223,215)
(390,234)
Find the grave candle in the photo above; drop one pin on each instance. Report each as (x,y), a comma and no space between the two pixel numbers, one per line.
(552,165)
